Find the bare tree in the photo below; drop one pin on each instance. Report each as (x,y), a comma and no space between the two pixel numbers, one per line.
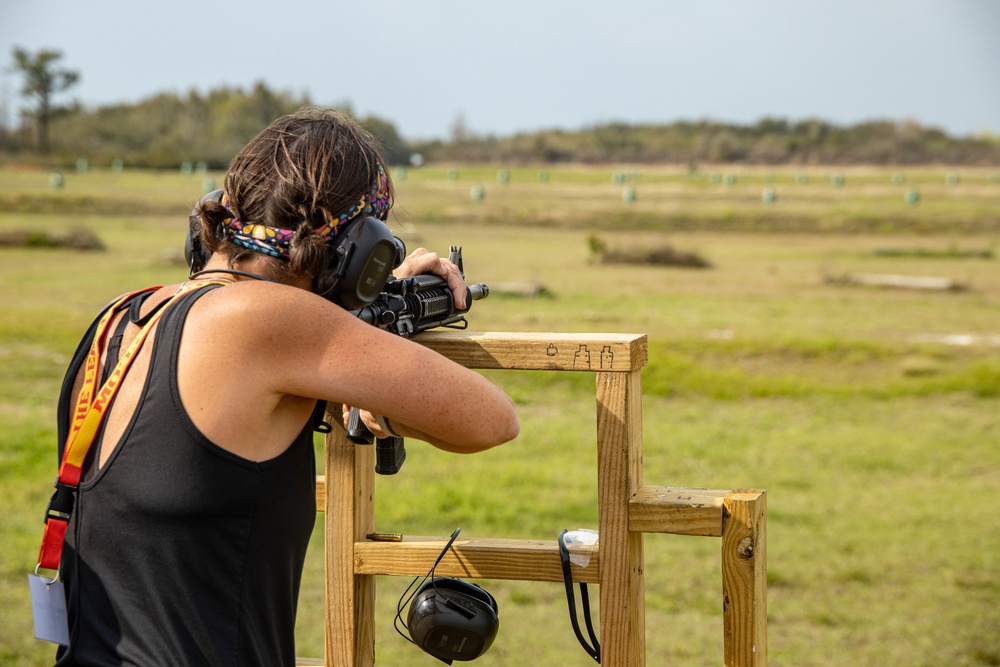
(459,130)
(42,80)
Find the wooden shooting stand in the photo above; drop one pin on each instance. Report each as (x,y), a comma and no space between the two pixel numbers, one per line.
(626,509)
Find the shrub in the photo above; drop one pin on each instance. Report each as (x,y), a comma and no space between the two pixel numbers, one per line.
(661,255)
(78,238)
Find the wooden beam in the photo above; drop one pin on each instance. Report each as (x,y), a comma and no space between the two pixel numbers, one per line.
(662,509)
(320,493)
(932,283)
(350,599)
(619,477)
(540,351)
(523,560)
(744,579)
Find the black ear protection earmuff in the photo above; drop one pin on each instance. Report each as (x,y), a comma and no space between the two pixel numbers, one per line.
(359,264)
(361,258)
(449,618)
(453,620)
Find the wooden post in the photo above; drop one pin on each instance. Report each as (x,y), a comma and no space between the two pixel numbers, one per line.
(744,578)
(350,515)
(619,476)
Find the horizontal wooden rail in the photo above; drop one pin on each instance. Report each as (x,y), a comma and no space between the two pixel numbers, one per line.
(523,560)
(663,509)
(540,351)
(653,509)
(320,493)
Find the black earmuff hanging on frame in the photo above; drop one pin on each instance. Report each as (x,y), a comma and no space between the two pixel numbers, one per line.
(449,619)
(359,264)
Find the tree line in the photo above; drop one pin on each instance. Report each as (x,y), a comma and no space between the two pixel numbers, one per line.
(165,130)
(770,141)
(169,129)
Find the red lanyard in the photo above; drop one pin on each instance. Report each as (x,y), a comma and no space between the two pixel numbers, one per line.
(91,408)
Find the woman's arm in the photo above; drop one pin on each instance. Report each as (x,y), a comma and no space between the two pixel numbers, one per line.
(314,349)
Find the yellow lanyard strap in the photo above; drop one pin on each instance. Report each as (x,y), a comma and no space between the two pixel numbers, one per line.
(87,418)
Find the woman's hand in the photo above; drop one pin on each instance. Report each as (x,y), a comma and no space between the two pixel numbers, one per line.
(422,261)
(371,422)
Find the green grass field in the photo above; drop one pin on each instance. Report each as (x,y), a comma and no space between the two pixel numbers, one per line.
(871,416)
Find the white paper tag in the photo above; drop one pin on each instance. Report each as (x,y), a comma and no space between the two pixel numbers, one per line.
(48,606)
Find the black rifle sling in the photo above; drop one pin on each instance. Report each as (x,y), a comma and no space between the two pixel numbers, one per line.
(317,422)
(595,650)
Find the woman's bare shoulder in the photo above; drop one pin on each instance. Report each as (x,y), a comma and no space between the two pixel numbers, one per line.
(267,313)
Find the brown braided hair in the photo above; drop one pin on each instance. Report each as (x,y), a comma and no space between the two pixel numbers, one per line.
(299,173)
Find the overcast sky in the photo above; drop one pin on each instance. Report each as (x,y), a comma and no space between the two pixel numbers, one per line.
(512,65)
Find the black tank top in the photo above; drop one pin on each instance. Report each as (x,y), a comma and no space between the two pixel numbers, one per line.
(179,552)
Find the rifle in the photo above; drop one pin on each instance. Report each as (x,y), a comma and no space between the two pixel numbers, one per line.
(406,307)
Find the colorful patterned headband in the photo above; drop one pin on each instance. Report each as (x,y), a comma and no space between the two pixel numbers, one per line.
(277,242)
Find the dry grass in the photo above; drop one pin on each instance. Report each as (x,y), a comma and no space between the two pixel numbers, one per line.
(877,447)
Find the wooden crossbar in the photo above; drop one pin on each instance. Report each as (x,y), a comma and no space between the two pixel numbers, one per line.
(627,509)
(661,509)
(524,560)
(540,352)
